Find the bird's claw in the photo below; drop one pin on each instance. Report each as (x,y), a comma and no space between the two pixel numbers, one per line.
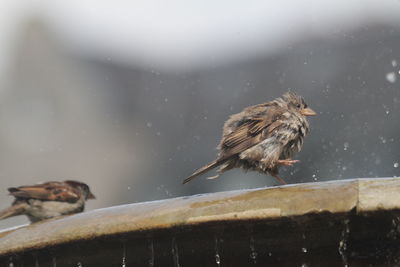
(287,162)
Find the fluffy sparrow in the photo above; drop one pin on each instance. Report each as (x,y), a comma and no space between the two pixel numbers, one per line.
(48,200)
(262,137)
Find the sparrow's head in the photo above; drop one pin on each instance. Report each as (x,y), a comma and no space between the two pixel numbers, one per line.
(83,187)
(296,103)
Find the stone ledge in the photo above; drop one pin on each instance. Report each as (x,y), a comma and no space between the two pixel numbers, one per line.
(273,203)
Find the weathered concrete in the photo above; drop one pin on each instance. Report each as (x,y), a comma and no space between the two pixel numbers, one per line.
(275,204)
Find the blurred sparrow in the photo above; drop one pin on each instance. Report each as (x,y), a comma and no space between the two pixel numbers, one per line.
(262,137)
(48,200)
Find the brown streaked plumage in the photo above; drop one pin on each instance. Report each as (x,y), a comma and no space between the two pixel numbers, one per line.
(48,200)
(262,137)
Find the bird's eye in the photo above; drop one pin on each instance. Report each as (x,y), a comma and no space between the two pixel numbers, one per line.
(298,105)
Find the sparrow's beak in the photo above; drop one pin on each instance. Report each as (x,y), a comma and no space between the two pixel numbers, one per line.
(308,112)
(91,196)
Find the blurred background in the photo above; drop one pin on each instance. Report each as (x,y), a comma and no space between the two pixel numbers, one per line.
(130,97)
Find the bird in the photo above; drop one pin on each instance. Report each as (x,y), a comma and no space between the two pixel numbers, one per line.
(262,137)
(48,200)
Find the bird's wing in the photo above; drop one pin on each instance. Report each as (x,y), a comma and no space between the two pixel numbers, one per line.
(251,132)
(56,191)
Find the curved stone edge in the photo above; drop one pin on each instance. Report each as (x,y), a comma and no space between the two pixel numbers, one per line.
(378,194)
(339,196)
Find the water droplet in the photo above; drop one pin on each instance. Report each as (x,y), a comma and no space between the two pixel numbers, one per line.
(394,63)
(253,253)
(345,146)
(166,100)
(253,256)
(124,254)
(391,77)
(80,264)
(217,255)
(150,246)
(383,139)
(129,188)
(304,265)
(395,229)
(54,262)
(304,250)
(149,124)
(175,253)
(343,242)
(396,164)
(217,259)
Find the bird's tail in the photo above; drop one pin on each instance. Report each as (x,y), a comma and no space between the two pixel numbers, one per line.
(14,210)
(203,169)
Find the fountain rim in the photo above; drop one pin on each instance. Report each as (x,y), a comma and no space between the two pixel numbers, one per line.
(262,204)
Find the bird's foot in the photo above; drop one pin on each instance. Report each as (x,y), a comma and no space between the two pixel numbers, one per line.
(213,177)
(287,162)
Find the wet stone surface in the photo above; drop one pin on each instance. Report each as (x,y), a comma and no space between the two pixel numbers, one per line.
(313,240)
